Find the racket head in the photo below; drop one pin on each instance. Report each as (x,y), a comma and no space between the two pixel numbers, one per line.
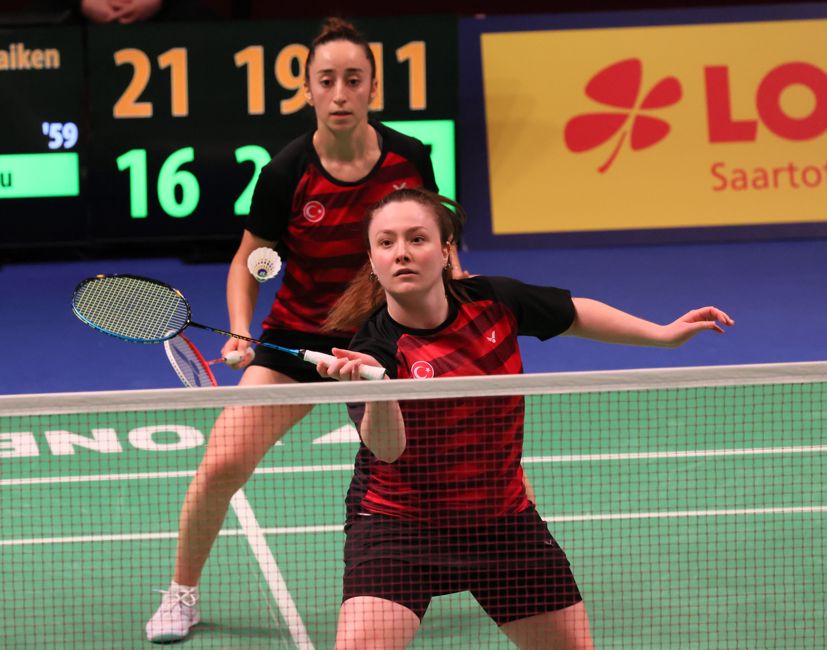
(131,307)
(188,363)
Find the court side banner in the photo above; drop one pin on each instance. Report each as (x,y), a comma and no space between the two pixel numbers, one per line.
(670,131)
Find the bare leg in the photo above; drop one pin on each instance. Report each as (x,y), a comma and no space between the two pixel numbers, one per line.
(239,440)
(565,629)
(368,623)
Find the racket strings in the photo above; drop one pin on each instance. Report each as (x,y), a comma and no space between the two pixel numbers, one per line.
(188,365)
(132,308)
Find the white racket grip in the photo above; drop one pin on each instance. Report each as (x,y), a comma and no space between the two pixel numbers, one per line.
(365,372)
(233,357)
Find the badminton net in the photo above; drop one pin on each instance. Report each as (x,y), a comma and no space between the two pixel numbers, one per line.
(691,504)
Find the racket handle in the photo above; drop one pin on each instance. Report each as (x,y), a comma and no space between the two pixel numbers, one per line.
(233,357)
(365,372)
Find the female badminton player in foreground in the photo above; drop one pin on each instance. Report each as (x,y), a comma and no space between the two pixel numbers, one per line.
(437,503)
(310,201)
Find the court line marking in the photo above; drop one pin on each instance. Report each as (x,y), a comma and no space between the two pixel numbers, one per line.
(142,537)
(270,568)
(688,453)
(571,458)
(303,530)
(677,514)
(136,476)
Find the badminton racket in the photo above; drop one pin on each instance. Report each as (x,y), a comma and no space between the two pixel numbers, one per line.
(190,365)
(142,310)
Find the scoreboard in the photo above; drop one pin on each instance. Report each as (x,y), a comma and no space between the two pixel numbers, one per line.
(42,116)
(156,132)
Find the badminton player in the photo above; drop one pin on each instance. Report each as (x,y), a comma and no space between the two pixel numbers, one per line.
(309,202)
(437,503)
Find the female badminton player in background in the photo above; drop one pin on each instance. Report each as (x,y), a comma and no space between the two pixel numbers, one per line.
(309,203)
(437,503)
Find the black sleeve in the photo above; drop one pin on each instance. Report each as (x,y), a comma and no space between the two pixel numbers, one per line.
(413,150)
(425,167)
(370,339)
(273,194)
(542,312)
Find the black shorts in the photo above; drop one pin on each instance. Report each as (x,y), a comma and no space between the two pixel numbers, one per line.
(289,365)
(514,567)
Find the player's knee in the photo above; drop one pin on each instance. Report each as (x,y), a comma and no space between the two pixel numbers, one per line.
(224,473)
(356,641)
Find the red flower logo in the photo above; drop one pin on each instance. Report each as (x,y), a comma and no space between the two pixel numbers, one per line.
(619,86)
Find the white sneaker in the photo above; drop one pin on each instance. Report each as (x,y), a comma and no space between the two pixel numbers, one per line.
(176,615)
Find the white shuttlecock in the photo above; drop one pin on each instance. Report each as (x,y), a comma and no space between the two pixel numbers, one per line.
(264,263)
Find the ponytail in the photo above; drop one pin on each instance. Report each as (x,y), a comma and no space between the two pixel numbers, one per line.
(363,296)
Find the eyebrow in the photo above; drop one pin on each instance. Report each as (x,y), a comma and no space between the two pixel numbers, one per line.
(408,231)
(347,70)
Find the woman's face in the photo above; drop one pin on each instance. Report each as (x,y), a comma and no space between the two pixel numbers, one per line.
(339,85)
(406,252)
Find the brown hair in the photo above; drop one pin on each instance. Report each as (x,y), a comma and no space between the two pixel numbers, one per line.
(364,294)
(338,29)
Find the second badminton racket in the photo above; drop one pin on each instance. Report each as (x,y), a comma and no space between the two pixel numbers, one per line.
(190,365)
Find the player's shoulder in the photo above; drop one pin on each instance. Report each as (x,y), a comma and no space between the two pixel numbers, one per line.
(377,326)
(378,337)
(290,159)
(502,288)
(379,331)
(399,142)
(511,292)
(487,287)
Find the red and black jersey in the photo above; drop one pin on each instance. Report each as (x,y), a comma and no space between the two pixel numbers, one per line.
(462,457)
(317,221)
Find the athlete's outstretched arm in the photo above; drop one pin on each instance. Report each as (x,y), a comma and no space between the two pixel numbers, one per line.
(382,428)
(601,322)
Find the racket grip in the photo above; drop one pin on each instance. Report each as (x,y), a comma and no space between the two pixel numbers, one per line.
(372,372)
(365,372)
(233,357)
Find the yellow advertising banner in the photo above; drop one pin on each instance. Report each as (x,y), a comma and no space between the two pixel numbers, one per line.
(657,127)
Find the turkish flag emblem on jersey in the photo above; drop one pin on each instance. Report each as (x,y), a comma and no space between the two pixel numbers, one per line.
(422,370)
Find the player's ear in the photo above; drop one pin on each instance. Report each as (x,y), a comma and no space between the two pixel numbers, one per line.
(374,87)
(307,95)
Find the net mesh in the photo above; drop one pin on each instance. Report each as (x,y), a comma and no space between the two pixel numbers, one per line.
(690,503)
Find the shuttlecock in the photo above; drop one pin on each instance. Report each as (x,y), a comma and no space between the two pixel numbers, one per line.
(264,263)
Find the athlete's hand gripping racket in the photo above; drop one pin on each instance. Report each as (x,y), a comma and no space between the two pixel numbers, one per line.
(142,310)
